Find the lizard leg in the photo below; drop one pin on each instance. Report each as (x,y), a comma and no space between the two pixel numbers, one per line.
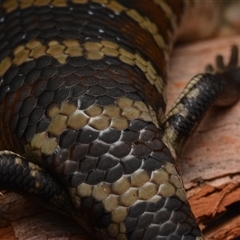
(219,86)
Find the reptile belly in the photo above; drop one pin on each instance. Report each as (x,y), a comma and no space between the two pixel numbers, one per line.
(82,96)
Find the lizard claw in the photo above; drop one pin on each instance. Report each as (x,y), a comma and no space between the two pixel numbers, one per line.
(220,66)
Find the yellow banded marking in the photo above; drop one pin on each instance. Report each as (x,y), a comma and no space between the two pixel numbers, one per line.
(144,22)
(67,116)
(72,48)
(117,197)
(11,5)
(141,185)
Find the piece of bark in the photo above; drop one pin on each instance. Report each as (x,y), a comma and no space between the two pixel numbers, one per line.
(210,165)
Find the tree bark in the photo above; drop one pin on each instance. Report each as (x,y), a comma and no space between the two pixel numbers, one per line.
(210,165)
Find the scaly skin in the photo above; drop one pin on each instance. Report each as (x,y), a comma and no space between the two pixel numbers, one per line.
(82,105)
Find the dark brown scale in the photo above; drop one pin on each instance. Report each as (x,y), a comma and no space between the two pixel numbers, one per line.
(114,173)
(129,136)
(45,98)
(60,157)
(39,87)
(42,125)
(130,164)
(120,150)
(61,95)
(69,137)
(43,62)
(110,135)
(27,67)
(151,164)
(98,148)
(49,72)
(27,107)
(93,80)
(137,125)
(79,90)
(107,162)
(36,116)
(88,135)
